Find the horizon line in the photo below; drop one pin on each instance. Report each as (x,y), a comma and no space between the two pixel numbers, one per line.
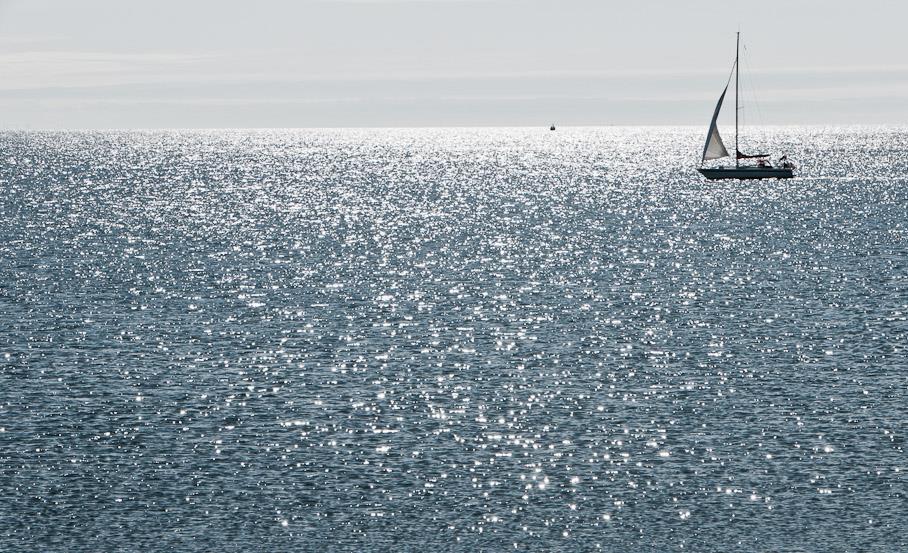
(429,127)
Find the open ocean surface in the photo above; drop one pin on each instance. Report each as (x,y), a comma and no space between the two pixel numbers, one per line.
(451,340)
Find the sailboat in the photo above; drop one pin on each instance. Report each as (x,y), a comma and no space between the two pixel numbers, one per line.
(715,148)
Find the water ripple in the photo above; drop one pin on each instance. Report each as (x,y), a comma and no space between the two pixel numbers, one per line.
(450,340)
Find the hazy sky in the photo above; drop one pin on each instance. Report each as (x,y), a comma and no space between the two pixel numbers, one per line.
(315,63)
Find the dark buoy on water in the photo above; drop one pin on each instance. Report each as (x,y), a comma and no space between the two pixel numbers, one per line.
(552,128)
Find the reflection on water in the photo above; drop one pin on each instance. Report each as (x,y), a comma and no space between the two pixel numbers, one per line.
(451,339)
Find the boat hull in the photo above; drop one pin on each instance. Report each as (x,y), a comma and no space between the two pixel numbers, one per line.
(746,173)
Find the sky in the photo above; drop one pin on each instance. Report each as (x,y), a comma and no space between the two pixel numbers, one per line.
(411,63)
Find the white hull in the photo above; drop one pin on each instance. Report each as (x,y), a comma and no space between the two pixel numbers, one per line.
(747,173)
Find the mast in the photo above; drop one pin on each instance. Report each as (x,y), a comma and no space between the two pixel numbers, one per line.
(737,82)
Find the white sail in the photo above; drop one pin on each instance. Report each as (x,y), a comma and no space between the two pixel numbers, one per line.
(714,148)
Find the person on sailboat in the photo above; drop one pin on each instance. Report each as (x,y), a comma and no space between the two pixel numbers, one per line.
(786,163)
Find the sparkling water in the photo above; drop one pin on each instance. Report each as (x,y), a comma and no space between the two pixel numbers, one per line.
(451,340)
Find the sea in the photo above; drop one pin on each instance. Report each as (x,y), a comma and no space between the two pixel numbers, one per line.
(452,340)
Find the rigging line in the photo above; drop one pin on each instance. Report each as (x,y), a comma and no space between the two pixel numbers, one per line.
(730,75)
(745,114)
(732,72)
(753,90)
